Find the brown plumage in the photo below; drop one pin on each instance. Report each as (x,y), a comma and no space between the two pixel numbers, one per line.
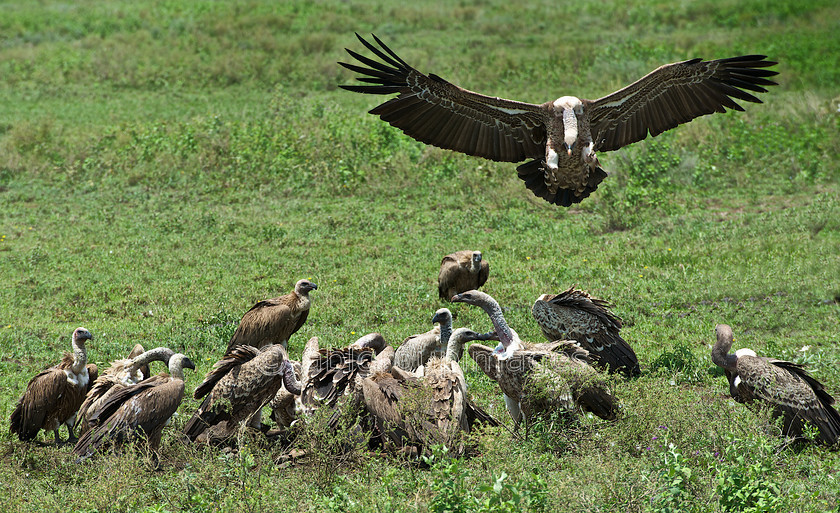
(120,374)
(461,271)
(575,315)
(564,379)
(53,396)
(334,373)
(138,412)
(545,378)
(416,350)
(274,321)
(433,407)
(561,136)
(794,395)
(236,390)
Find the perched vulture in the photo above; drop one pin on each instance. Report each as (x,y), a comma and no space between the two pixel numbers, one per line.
(793,394)
(536,378)
(461,271)
(274,321)
(561,136)
(137,412)
(236,390)
(53,396)
(575,315)
(415,412)
(120,374)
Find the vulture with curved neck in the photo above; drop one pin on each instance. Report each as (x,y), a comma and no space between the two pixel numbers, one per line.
(138,412)
(559,138)
(53,396)
(794,395)
(575,315)
(535,378)
(122,373)
(462,271)
(236,390)
(274,321)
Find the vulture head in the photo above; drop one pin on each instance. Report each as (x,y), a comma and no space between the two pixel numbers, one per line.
(303,287)
(476,260)
(178,363)
(444,316)
(80,335)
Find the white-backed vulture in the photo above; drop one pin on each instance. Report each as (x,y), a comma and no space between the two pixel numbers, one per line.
(274,321)
(236,390)
(794,395)
(535,378)
(575,315)
(461,271)
(414,412)
(561,136)
(53,396)
(138,412)
(120,374)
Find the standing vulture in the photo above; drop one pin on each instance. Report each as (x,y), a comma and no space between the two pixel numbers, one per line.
(561,136)
(137,412)
(461,271)
(574,314)
(53,396)
(414,412)
(236,390)
(120,374)
(274,321)
(793,394)
(538,377)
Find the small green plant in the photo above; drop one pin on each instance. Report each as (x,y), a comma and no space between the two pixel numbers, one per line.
(675,476)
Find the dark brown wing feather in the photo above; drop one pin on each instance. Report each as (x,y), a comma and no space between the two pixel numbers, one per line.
(436,112)
(334,374)
(271,321)
(235,357)
(576,315)
(796,395)
(674,94)
(137,411)
(247,385)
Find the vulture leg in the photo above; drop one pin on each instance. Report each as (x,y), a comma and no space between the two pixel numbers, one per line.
(514,409)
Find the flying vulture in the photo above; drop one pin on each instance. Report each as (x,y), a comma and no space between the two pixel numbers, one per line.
(793,394)
(53,396)
(137,412)
(274,321)
(559,138)
(120,374)
(461,271)
(535,378)
(574,314)
(236,390)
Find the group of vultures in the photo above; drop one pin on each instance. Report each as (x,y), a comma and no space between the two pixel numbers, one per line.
(403,399)
(410,397)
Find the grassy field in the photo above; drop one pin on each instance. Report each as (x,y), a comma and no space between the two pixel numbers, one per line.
(165,165)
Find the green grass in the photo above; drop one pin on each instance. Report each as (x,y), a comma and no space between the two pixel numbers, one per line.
(164,165)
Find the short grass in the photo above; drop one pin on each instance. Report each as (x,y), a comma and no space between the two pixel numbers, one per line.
(164,165)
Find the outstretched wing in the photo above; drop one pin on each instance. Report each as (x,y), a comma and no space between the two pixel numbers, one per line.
(674,94)
(436,112)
